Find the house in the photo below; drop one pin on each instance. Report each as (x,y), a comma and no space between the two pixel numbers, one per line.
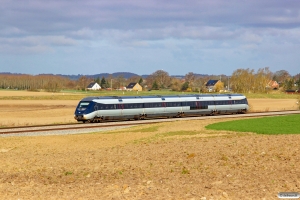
(210,85)
(93,86)
(134,87)
(273,85)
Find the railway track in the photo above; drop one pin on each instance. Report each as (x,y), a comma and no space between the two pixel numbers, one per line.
(94,127)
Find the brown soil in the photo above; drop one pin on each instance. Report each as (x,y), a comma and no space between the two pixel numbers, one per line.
(144,162)
(32,112)
(263,105)
(12,93)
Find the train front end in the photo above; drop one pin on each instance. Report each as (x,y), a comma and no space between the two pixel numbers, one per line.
(85,110)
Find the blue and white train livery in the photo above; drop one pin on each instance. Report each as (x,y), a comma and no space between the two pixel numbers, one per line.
(97,109)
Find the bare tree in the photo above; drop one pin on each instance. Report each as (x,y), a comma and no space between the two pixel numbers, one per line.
(262,78)
(134,79)
(219,86)
(245,80)
(199,84)
(33,83)
(176,84)
(161,77)
(190,78)
(242,80)
(83,82)
(119,81)
(281,76)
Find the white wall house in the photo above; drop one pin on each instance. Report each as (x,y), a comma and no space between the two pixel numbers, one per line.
(93,86)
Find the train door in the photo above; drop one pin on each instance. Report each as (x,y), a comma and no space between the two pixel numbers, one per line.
(164,106)
(184,106)
(121,108)
(213,105)
(198,104)
(96,110)
(230,104)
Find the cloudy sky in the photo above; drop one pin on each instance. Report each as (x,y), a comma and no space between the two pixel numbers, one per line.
(142,36)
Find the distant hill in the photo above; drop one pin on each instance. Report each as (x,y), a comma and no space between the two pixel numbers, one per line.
(105,75)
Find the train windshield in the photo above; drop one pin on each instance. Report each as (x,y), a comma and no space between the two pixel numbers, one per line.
(83,105)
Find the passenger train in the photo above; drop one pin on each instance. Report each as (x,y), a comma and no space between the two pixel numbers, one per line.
(97,109)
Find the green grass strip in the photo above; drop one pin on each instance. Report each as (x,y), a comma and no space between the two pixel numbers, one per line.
(289,124)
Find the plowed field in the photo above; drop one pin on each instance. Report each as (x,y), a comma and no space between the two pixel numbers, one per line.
(178,160)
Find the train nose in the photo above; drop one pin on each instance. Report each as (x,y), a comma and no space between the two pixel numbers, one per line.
(79,117)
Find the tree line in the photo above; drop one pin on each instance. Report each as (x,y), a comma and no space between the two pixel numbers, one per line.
(241,80)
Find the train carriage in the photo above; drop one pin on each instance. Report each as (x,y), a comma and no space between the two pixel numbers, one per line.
(96,109)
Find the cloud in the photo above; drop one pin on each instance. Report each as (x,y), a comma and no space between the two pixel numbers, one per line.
(34,44)
(174,29)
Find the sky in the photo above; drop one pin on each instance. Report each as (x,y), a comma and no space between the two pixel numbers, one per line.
(200,36)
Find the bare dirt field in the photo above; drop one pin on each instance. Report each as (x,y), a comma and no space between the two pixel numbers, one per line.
(13,93)
(33,112)
(144,162)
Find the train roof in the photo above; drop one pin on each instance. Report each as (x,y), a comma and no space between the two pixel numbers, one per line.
(158,96)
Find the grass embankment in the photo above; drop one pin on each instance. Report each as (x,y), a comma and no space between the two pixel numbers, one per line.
(267,125)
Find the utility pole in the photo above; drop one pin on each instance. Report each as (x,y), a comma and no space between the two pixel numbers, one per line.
(111,84)
(228,83)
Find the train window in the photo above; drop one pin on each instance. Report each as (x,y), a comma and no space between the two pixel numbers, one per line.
(83,105)
(147,105)
(100,106)
(193,105)
(137,105)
